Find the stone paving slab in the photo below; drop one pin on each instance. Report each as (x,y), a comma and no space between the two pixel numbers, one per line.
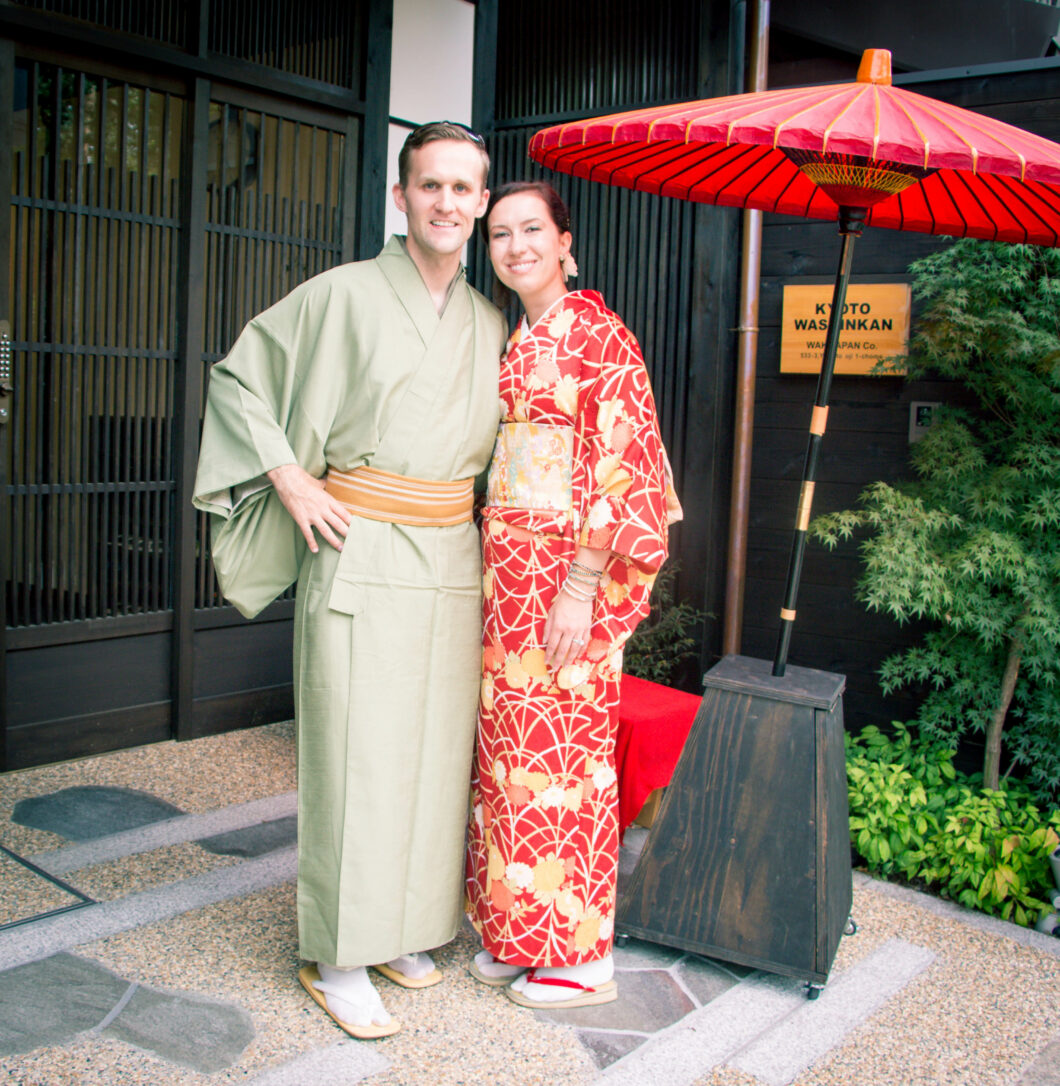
(606,1047)
(637,954)
(347,1061)
(172,831)
(48,1003)
(649,1000)
(1045,1069)
(818,1026)
(707,1037)
(256,840)
(87,811)
(706,980)
(186,1028)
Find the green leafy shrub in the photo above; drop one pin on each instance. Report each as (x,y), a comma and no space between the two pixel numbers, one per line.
(664,639)
(993,854)
(898,791)
(972,545)
(914,815)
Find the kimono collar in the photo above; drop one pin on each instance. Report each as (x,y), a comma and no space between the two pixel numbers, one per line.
(405,279)
(579,299)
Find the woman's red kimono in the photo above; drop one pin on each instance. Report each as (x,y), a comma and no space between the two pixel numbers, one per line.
(579,460)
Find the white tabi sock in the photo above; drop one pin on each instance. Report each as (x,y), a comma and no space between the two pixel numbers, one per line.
(350,995)
(490,966)
(414,966)
(591,974)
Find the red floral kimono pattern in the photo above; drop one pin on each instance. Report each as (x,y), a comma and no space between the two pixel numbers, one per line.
(543,841)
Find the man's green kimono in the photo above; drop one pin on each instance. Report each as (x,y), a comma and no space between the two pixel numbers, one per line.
(356,367)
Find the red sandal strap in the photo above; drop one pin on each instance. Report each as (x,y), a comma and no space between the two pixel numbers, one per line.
(557,982)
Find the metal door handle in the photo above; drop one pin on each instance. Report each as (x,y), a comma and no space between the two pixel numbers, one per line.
(6,378)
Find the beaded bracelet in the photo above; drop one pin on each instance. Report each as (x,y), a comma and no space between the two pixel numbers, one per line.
(577,592)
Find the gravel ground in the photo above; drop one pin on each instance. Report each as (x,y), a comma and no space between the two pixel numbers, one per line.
(983,1012)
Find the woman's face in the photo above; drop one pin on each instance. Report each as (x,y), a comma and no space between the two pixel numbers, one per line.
(526,247)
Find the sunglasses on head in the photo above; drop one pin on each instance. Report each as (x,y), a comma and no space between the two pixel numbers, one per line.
(460,124)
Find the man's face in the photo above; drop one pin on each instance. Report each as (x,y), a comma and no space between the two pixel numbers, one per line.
(444,196)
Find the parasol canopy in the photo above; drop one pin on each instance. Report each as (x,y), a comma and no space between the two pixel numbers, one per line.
(931,167)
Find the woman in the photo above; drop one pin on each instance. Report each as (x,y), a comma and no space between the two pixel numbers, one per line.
(574,532)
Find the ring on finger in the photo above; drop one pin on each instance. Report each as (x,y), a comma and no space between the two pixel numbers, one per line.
(577,641)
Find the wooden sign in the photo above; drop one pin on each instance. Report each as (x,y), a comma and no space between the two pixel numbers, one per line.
(875,325)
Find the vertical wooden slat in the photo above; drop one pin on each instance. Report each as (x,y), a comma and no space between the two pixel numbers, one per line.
(372,195)
(483,112)
(714,316)
(199,20)
(188,397)
(350,205)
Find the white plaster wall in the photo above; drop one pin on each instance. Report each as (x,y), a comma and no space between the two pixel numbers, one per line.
(430,74)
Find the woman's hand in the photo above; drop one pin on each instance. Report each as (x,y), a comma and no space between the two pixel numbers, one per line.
(567,630)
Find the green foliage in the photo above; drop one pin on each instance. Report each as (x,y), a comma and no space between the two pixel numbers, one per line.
(912,814)
(973,543)
(664,639)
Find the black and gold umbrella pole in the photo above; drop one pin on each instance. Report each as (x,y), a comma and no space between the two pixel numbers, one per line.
(855,184)
(851,222)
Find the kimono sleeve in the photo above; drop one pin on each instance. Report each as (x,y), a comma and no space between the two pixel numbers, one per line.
(256,420)
(251,422)
(624,463)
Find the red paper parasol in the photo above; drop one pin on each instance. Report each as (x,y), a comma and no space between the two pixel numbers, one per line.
(925,165)
(860,153)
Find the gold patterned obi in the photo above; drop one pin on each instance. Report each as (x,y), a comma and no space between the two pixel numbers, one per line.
(531,467)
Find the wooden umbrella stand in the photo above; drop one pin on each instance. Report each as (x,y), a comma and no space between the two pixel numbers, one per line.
(748,859)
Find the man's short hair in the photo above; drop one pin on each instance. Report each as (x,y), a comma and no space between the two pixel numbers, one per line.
(439,130)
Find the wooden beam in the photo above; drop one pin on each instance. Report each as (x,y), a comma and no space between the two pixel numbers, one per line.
(708,441)
(187,398)
(372,195)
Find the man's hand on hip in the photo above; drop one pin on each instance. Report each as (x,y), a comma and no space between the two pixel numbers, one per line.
(310,505)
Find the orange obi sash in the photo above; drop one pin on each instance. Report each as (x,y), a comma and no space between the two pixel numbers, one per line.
(401,499)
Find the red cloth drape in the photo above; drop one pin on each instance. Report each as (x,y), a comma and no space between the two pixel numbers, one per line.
(653,723)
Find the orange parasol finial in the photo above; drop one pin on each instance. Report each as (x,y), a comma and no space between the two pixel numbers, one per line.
(875,67)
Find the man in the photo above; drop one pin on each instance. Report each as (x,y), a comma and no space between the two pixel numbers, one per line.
(382,376)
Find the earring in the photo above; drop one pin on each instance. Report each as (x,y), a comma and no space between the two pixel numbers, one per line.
(570,269)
